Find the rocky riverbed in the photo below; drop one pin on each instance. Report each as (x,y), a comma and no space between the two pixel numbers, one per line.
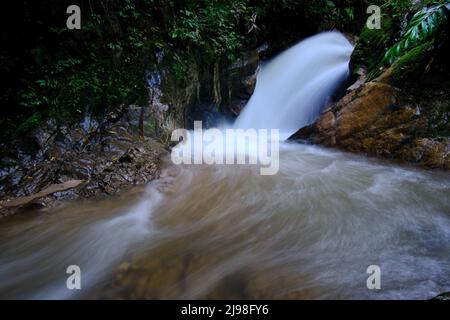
(89,159)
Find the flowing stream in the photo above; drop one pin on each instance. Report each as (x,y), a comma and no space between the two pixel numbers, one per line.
(225,231)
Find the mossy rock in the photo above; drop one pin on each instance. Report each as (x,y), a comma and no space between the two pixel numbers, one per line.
(411,65)
(370,48)
(373,43)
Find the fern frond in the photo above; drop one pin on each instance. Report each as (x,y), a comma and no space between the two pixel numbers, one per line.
(423,27)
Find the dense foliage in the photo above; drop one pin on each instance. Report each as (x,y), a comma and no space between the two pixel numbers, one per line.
(50,71)
(424,26)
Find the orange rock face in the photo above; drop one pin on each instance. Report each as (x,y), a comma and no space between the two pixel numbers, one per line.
(365,109)
(377,120)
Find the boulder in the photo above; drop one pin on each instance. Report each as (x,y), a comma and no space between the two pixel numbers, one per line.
(378,119)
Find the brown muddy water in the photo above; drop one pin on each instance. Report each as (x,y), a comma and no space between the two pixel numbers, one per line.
(225,231)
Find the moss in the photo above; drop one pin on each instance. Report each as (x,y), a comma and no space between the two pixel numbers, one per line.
(411,65)
(371,45)
(30,123)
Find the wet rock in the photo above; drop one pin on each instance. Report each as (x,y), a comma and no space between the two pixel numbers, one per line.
(239,82)
(153,277)
(443,296)
(429,152)
(110,159)
(355,112)
(379,119)
(249,84)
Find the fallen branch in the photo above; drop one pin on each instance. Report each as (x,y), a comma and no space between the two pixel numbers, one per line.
(21,201)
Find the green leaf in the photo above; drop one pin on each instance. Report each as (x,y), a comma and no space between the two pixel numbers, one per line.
(330,4)
(423,26)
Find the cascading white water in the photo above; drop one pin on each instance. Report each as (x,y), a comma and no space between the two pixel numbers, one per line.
(292,89)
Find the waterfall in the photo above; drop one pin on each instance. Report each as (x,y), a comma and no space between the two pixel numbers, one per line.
(292,89)
(221,231)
